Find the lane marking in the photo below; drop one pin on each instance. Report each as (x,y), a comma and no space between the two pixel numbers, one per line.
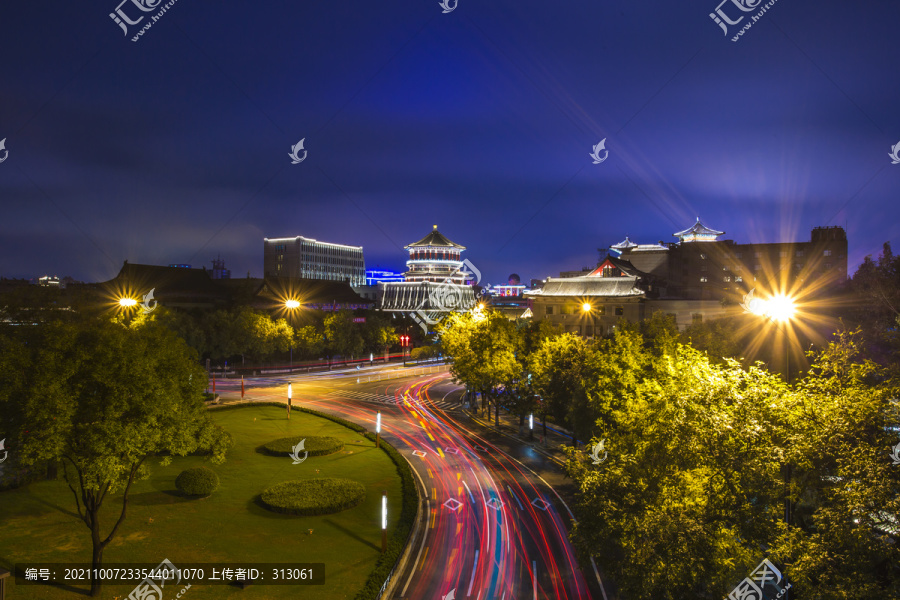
(412,571)
(422,565)
(421,454)
(439,451)
(472,580)
(513,494)
(471,497)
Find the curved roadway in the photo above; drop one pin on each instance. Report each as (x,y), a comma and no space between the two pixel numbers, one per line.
(494,527)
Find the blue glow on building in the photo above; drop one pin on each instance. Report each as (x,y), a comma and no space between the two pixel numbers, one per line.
(376,276)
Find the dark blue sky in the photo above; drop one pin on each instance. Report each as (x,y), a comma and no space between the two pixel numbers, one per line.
(175,148)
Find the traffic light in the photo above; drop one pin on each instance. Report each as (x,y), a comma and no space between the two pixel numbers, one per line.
(404,340)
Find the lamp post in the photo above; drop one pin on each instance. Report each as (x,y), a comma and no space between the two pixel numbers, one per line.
(291,305)
(779,309)
(531,427)
(378,430)
(290,394)
(589,310)
(384,522)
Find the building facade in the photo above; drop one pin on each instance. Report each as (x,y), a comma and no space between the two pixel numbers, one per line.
(697,278)
(304,258)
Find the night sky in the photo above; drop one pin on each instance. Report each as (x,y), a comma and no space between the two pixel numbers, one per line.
(174,148)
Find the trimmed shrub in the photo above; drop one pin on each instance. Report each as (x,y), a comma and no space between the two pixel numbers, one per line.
(311,497)
(315,445)
(199,481)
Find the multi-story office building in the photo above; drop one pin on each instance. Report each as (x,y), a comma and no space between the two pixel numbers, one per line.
(304,258)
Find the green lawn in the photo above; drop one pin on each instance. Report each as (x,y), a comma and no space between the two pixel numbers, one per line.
(38,523)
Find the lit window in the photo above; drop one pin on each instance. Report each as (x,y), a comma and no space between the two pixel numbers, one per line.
(738,279)
(782,254)
(702,257)
(727,279)
(703,280)
(739,254)
(827,253)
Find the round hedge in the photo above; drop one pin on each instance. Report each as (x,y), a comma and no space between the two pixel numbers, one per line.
(316,445)
(198,481)
(313,496)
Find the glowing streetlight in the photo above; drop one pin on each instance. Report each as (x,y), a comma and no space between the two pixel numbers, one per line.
(290,395)
(531,426)
(127,302)
(384,522)
(292,305)
(781,308)
(588,309)
(378,430)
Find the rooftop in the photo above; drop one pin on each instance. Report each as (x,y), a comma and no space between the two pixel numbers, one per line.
(435,239)
(698,232)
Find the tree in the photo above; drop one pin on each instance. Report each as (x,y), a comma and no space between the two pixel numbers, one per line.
(565,372)
(342,334)
(378,334)
(483,349)
(692,494)
(875,289)
(103,398)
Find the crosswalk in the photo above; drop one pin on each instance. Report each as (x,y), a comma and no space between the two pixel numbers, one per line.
(376,398)
(367,397)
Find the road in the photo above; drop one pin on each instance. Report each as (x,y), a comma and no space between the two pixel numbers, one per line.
(496,528)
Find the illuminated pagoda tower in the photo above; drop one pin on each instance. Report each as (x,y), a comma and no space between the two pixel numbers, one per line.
(435,258)
(437,281)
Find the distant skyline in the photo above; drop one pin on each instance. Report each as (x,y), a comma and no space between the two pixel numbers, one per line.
(175,148)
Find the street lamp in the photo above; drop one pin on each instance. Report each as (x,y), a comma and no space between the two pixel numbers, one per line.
(292,305)
(127,302)
(290,395)
(531,427)
(384,522)
(378,430)
(777,309)
(588,309)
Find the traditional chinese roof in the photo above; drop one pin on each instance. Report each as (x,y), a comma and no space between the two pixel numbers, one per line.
(435,238)
(626,268)
(426,296)
(580,287)
(698,232)
(623,245)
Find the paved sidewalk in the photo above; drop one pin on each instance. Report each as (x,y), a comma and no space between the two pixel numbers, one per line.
(509,426)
